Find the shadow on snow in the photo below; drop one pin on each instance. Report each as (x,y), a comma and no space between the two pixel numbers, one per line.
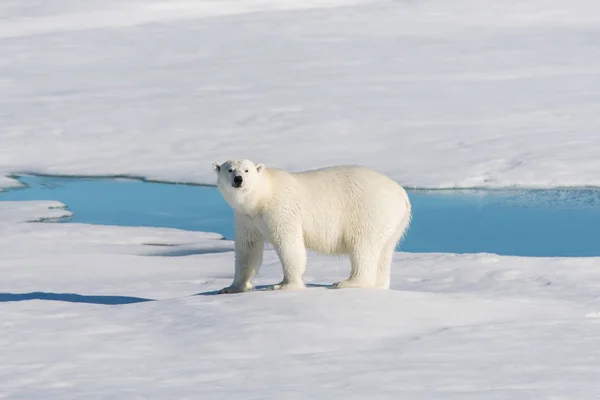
(71,298)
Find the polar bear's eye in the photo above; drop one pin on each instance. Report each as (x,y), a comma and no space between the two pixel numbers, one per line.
(246,171)
(230,170)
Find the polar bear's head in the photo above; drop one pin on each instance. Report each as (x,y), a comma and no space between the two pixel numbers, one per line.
(237,175)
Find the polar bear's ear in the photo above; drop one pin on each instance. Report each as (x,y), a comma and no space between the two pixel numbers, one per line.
(260,168)
(216,167)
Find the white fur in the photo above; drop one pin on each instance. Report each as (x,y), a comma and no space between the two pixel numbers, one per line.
(348,210)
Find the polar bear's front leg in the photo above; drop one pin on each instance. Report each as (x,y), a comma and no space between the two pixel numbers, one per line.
(248,258)
(292,253)
(249,246)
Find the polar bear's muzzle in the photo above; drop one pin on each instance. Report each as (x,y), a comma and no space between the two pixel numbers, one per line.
(237,181)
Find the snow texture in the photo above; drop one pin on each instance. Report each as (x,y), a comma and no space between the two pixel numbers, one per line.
(32,211)
(436,94)
(100,312)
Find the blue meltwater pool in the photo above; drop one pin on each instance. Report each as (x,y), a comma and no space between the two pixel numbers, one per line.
(552,223)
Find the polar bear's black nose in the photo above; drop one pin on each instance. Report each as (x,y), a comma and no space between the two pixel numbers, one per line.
(237,181)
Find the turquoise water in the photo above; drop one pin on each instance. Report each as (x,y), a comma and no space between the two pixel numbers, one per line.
(550,223)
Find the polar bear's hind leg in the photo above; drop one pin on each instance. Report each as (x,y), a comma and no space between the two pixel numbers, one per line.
(363,262)
(387,254)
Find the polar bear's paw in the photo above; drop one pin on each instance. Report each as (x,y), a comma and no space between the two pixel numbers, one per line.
(289,286)
(236,289)
(353,283)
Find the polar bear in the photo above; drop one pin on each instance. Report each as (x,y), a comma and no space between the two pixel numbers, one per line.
(339,210)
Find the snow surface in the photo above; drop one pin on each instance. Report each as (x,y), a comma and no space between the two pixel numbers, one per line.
(434,93)
(100,312)
(32,211)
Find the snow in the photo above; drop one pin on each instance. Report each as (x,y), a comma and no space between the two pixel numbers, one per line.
(102,312)
(9,183)
(436,94)
(32,211)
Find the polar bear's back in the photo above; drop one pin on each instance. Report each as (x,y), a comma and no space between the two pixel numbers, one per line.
(341,204)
